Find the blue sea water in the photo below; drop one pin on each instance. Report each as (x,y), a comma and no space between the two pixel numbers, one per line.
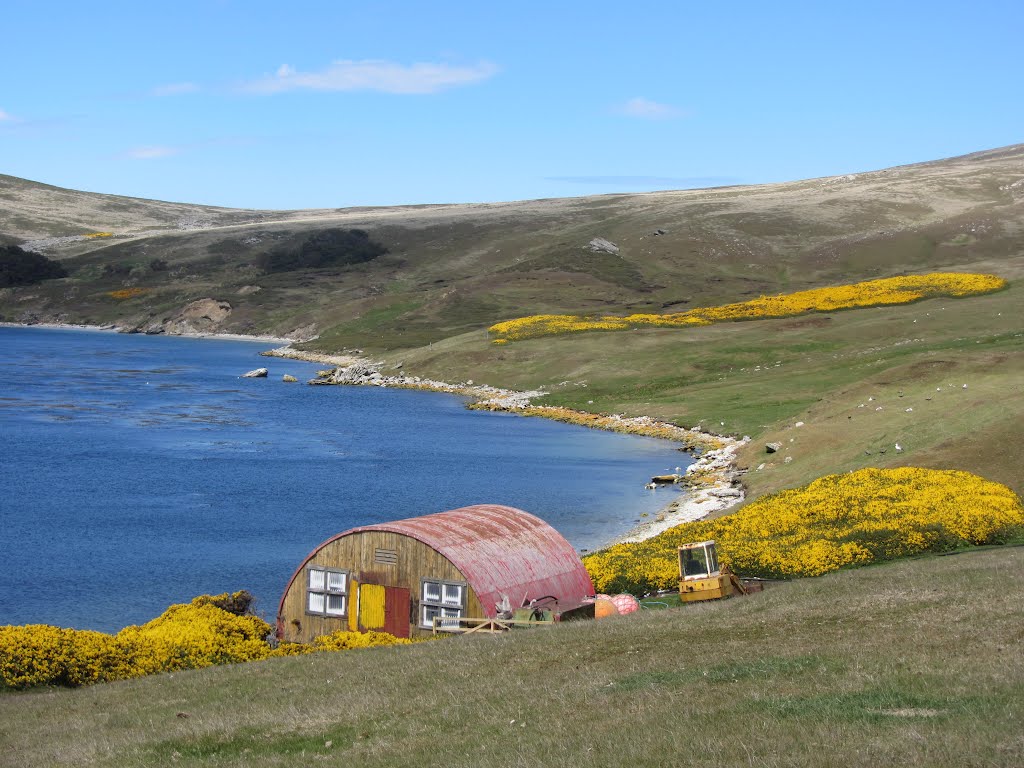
(136,471)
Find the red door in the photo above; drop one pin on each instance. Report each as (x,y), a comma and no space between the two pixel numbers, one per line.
(396,611)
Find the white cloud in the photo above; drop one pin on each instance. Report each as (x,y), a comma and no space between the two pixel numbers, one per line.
(174,89)
(648,110)
(7,117)
(374,75)
(151,152)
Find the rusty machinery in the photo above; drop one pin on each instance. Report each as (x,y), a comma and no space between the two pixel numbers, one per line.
(701,578)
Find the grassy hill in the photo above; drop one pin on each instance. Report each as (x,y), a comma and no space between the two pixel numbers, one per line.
(451,271)
(912,664)
(462,267)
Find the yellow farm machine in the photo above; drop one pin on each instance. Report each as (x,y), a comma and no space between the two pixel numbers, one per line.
(701,578)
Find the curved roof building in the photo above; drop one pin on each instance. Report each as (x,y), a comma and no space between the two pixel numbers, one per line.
(398,576)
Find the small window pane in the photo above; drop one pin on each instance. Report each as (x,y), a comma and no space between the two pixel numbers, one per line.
(452,594)
(335,605)
(316,602)
(450,618)
(432,591)
(316,579)
(336,582)
(429,612)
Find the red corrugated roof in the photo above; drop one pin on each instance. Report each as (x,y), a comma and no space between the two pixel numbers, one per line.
(502,551)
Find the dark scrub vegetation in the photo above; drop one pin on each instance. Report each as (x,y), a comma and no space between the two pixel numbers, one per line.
(326,248)
(21,267)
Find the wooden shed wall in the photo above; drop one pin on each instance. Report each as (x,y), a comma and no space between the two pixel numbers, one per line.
(355,553)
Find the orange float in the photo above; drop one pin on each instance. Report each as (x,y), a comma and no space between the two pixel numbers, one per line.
(626,603)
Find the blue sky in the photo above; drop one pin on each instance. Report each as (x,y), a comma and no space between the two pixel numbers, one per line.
(330,104)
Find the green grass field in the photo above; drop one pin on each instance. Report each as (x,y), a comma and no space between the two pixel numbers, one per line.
(916,663)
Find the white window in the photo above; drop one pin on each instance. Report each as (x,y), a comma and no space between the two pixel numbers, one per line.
(444,599)
(327,594)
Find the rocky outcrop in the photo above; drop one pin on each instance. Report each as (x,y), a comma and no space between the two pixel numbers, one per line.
(310,357)
(356,373)
(201,316)
(600,245)
(365,373)
(289,378)
(259,373)
(197,318)
(306,332)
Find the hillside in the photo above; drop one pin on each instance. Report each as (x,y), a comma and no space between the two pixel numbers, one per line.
(915,663)
(453,270)
(461,267)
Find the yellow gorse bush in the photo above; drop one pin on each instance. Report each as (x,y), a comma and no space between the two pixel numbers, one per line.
(38,654)
(128,293)
(872,293)
(341,641)
(836,521)
(186,636)
(195,636)
(100,234)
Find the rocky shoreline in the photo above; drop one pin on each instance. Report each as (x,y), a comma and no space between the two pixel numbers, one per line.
(711,482)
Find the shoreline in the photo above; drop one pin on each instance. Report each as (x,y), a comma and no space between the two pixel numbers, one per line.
(119,329)
(711,481)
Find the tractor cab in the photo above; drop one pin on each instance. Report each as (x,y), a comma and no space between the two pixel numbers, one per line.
(698,560)
(700,577)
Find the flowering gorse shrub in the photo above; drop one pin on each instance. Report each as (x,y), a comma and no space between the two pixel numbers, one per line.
(341,641)
(128,293)
(836,521)
(872,293)
(37,654)
(195,636)
(186,636)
